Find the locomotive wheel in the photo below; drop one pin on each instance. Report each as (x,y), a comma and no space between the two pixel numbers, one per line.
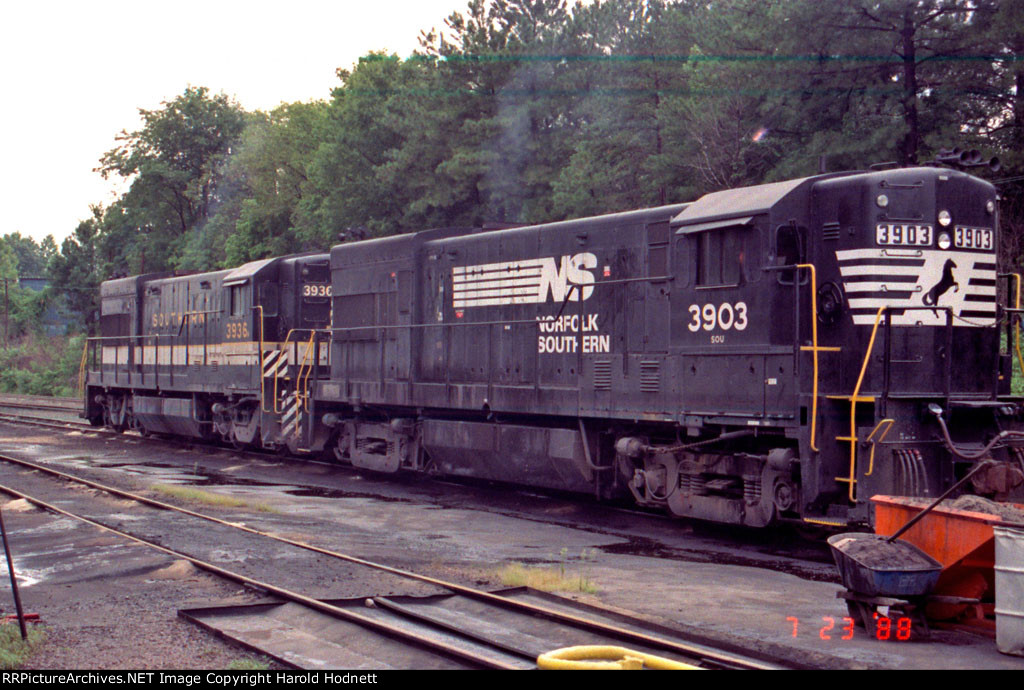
(115,415)
(238,444)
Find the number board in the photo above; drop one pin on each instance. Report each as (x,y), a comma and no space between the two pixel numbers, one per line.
(972,238)
(903,234)
(316,290)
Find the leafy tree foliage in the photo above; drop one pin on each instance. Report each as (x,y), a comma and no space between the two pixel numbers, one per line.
(523,111)
(175,163)
(78,270)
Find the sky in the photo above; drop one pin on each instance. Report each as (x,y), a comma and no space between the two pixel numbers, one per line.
(75,75)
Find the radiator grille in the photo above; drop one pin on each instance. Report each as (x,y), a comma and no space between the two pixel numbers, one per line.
(603,375)
(650,376)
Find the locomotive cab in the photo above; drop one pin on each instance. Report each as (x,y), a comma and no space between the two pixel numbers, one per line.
(815,321)
(907,264)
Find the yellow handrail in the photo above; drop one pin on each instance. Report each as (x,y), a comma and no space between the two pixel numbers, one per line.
(853,408)
(302,398)
(871,459)
(263,382)
(277,370)
(81,368)
(814,346)
(1016,328)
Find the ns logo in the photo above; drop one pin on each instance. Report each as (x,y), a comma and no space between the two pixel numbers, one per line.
(570,278)
(524,281)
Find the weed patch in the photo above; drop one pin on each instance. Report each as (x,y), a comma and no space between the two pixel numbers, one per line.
(13,650)
(547,579)
(193,495)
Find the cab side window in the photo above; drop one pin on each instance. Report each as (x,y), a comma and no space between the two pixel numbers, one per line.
(237,300)
(790,250)
(722,257)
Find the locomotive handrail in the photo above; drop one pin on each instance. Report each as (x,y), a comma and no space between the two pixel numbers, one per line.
(301,385)
(814,344)
(852,479)
(814,347)
(1016,326)
(869,439)
(259,358)
(288,339)
(93,340)
(81,368)
(855,397)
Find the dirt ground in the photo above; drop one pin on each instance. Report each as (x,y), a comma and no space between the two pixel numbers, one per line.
(110,604)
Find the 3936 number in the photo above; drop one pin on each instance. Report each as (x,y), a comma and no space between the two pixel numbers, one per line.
(723,316)
(236,330)
(311,290)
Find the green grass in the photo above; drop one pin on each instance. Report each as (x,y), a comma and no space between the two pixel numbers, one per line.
(193,495)
(549,579)
(248,665)
(13,650)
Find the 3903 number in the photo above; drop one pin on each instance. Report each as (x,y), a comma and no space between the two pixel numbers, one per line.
(723,316)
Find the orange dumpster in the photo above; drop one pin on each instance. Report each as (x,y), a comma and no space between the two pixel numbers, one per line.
(961,540)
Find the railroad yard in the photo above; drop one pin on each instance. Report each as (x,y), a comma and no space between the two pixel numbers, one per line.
(420,554)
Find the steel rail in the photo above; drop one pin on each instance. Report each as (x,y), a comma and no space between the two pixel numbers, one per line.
(66,425)
(19,405)
(296,597)
(690,649)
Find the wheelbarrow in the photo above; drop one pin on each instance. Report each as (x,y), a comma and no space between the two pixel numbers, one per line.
(875,564)
(878,570)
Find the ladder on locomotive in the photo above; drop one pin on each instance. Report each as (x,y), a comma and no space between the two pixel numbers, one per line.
(883,426)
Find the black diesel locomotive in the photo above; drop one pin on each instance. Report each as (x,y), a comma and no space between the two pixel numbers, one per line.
(778,352)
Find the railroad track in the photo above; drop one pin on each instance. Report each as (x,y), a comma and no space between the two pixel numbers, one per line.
(66,425)
(67,404)
(41,403)
(44,412)
(441,633)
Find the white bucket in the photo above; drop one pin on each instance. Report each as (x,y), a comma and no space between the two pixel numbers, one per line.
(1009,590)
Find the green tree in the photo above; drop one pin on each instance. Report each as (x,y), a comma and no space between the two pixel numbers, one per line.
(272,167)
(175,163)
(77,271)
(633,58)
(360,133)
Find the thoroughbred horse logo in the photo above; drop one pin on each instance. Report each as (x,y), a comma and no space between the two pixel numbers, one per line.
(947,281)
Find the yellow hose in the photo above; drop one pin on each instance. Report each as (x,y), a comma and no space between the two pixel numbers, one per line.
(606,658)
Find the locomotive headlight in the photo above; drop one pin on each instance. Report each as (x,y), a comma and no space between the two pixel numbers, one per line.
(944,241)
(990,206)
(882,201)
(945,219)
